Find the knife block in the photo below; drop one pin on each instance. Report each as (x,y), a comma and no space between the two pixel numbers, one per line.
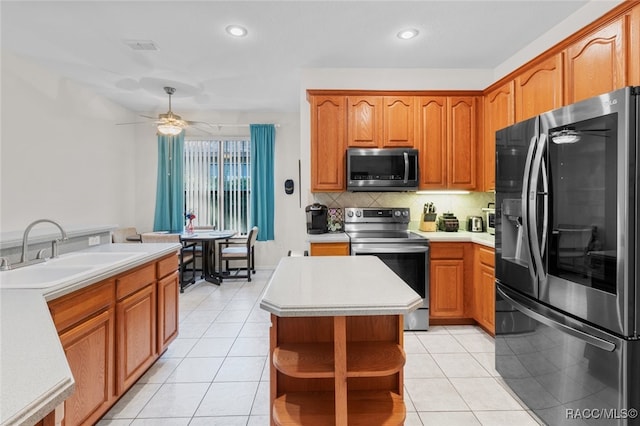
(428,222)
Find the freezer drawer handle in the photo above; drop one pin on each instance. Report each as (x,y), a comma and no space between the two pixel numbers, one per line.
(592,340)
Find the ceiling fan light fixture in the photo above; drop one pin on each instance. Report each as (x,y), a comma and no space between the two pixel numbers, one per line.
(170,129)
(236,30)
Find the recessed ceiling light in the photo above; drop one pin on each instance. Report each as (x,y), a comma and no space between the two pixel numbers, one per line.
(408,34)
(236,30)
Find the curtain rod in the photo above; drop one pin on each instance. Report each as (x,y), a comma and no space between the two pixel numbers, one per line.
(235,125)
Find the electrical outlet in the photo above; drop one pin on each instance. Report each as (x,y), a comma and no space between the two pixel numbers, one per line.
(94,241)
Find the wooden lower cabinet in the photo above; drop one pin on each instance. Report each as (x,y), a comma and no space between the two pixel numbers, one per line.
(450,281)
(168,291)
(88,347)
(136,330)
(109,332)
(337,370)
(484,288)
(329,249)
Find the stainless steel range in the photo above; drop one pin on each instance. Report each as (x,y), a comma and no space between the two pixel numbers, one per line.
(383,232)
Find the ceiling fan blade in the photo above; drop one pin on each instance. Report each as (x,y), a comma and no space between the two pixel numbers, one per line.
(148,116)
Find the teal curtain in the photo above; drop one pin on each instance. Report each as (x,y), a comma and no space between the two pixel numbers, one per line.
(170,212)
(262,189)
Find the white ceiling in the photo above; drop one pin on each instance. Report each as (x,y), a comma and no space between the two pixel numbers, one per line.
(85,41)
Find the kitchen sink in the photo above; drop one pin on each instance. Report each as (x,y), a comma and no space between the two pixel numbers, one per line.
(39,276)
(65,268)
(91,259)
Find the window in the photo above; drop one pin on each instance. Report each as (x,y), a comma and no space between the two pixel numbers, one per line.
(217,178)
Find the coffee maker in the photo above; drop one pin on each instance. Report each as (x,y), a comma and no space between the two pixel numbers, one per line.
(316,218)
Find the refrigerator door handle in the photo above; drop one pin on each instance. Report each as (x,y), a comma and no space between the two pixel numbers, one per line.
(545,216)
(532,213)
(525,201)
(547,320)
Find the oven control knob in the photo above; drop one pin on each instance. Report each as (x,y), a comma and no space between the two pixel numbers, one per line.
(397,213)
(405,213)
(350,213)
(358,213)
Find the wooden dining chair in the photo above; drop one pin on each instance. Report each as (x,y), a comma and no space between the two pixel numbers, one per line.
(240,249)
(187,255)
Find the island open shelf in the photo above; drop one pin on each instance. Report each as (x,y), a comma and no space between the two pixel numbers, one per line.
(343,362)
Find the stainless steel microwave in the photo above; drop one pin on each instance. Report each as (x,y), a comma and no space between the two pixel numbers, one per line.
(382,169)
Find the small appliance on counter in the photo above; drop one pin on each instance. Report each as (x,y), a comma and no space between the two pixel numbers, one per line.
(316,218)
(490,213)
(474,224)
(448,223)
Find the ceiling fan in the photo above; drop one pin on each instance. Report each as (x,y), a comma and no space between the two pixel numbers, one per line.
(168,123)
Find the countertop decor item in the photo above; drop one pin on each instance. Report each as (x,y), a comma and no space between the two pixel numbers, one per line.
(448,223)
(334,219)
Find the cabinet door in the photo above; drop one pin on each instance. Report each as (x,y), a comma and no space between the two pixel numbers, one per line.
(446,295)
(432,141)
(329,249)
(596,64)
(399,114)
(364,122)
(486,298)
(462,140)
(539,88)
(328,119)
(168,288)
(634,46)
(136,331)
(498,114)
(89,350)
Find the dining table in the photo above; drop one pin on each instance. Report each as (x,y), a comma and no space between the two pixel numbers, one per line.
(208,239)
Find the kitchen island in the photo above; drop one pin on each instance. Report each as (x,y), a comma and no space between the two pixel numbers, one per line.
(336,341)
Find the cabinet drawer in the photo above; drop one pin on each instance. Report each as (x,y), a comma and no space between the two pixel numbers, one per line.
(486,257)
(79,305)
(167,265)
(447,250)
(130,283)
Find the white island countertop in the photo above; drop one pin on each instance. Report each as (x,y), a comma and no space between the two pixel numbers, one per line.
(336,286)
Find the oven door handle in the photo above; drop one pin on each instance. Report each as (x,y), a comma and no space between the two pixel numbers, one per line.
(387,249)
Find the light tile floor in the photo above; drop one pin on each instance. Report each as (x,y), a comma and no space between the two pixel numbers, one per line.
(216,371)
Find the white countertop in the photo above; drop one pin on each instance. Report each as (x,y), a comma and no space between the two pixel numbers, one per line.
(483,238)
(329,237)
(336,286)
(34,374)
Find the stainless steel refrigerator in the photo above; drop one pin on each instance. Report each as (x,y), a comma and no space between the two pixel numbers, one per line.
(567,297)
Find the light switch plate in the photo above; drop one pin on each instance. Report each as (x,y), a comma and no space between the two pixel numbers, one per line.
(94,241)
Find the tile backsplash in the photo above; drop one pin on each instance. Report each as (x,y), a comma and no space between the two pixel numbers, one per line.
(461,205)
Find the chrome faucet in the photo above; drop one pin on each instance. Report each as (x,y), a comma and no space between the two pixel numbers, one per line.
(54,243)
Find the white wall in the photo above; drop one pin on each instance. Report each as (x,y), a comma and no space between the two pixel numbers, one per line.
(61,155)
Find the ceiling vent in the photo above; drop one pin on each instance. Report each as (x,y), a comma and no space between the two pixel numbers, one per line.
(141,44)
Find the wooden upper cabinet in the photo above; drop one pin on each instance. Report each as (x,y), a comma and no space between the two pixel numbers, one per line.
(539,88)
(380,121)
(328,132)
(364,124)
(596,63)
(498,114)
(634,46)
(447,140)
(462,142)
(432,141)
(399,116)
